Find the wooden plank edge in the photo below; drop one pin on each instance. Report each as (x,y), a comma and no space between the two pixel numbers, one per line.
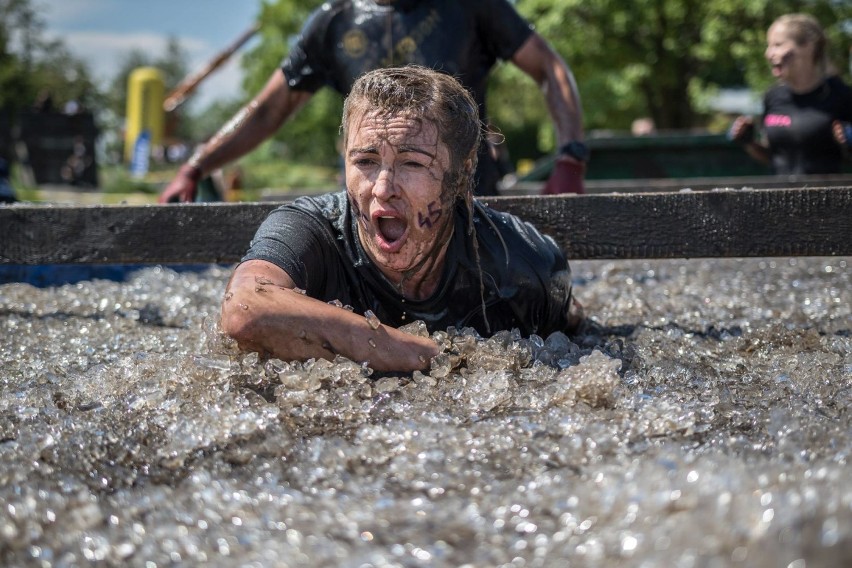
(728,223)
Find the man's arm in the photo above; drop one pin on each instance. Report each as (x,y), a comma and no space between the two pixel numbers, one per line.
(264,312)
(538,60)
(253,124)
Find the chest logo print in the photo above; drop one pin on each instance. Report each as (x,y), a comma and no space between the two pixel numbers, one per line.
(354,43)
(406,46)
(777,120)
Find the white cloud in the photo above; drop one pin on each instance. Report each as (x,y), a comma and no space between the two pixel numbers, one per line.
(105,52)
(103,32)
(64,12)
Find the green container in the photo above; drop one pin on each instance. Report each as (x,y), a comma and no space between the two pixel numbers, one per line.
(661,156)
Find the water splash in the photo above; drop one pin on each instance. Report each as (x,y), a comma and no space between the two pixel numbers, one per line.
(703,419)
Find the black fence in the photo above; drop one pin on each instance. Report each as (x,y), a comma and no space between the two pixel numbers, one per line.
(54,148)
(663,156)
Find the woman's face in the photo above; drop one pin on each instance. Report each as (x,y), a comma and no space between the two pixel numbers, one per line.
(395,168)
(786,58)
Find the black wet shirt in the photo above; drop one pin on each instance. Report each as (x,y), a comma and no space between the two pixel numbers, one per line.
(526,277)
(343,39)
(798,127)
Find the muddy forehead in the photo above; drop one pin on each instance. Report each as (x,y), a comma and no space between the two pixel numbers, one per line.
(402,129)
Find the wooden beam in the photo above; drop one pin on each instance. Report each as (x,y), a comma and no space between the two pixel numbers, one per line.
(657,185)
(694,224)
(727,223)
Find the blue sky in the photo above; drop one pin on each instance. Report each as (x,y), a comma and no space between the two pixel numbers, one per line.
(100,32)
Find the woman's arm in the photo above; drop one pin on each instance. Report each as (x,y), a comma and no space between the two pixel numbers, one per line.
(263,311)
(742,131)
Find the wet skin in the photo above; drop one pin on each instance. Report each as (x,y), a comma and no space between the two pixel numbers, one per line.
(395,167)
(394,172)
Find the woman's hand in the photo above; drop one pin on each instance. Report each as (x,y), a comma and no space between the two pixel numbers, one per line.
(842,133)
(742,130)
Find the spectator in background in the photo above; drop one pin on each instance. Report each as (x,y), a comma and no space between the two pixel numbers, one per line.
(43,102)
(346,38)
(73,171)
(806,114)
(643,126)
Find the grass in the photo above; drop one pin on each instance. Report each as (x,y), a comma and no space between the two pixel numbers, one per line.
(257,178)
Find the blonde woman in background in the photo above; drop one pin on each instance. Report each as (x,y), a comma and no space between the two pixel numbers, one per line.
(805,119)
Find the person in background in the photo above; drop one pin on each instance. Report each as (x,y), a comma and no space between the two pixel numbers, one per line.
(806,114)
(7,192)
(643,126)
(346,38)
(404,242)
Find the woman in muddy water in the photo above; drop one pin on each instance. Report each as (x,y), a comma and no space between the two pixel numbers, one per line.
(339,274)
(806,115)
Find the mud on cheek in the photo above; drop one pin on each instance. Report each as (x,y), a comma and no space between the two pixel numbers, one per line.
(360,215)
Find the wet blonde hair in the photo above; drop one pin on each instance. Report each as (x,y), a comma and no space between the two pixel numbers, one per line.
(804,29)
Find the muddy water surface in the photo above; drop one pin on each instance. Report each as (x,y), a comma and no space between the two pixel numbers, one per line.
(702,419)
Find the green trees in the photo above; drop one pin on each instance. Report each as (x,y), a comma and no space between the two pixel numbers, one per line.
(632,58)
(656,58)
(172,63)
(312,134)
(31,65)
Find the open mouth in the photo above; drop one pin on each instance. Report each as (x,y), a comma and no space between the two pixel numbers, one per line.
(390,231)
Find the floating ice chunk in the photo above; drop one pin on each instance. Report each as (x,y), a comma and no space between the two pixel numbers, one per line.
(417,328)
(592,381)
(214,361)
(485,391)
(372,320)
(386,384)
(441,366)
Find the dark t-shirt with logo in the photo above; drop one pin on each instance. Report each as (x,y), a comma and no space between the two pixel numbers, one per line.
(798,127)
(526,279)
(465,38)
